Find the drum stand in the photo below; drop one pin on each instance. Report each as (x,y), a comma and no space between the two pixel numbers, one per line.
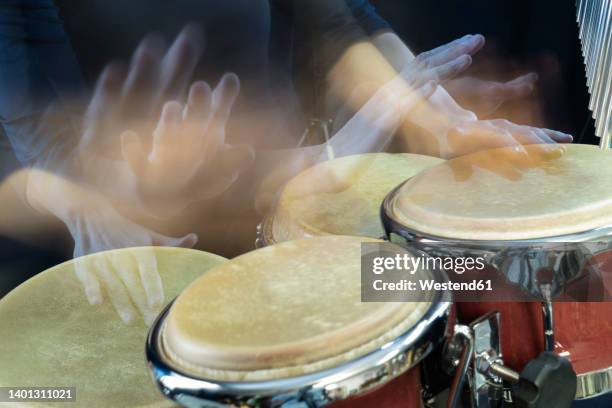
(547,381)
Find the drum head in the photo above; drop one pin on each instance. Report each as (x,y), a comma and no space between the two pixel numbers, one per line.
(343,196)
(487,196)
(52,337)
(285,310)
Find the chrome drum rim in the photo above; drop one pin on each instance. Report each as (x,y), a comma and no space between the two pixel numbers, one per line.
(590,384)
(318,389)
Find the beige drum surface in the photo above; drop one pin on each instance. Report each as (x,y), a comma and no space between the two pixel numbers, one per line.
(343,196)
(284,310)
(51,336)
(486,196)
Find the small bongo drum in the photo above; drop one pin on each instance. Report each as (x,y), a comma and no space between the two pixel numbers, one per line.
(339,197)
(285,326)
(52,337)
(484,202)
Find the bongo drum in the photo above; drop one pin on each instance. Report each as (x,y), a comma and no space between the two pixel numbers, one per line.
(487,201)
(52,337)
(339,197)
(285,326)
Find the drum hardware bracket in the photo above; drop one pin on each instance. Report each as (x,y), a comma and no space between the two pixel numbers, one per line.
(485,380)
(549,326)
(460,355)
(548,380)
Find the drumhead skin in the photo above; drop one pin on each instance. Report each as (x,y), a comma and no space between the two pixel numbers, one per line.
(281,311)
(52,336)
(343,196)
(484,196)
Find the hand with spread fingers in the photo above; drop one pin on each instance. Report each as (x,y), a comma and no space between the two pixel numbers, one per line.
(508,134)
(130,281)
(440,65)
(373,126)
(132,98)
(465,137)
(436,132)
(186,158)
(429,128)
(145,148)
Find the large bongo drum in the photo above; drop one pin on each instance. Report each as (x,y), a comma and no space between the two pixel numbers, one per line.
(285,326)
(52,337)
(488,201)
(339,197)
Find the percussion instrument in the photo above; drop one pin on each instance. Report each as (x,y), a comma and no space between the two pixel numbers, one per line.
(52,336)
(284,326)
(595,22)
(487,203)
(339,197)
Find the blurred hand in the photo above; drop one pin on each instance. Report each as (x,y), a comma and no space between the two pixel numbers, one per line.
(371,129)
(96,226)
(471,136)
(131,282)
(439,65)
(186,158)
(485,97)
(132,98)
(444,62)
(448,136)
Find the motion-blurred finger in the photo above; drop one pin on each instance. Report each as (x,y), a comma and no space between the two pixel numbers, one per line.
(223,98)
(449,70)
(543,136)
(558,136)
(116,291)
(180,61)
(473,138)
(168,128)
(469,44)
(141,83)
(198,108)
(197,115)
(85,274)
(149,275)
(106,94)
(127,271)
